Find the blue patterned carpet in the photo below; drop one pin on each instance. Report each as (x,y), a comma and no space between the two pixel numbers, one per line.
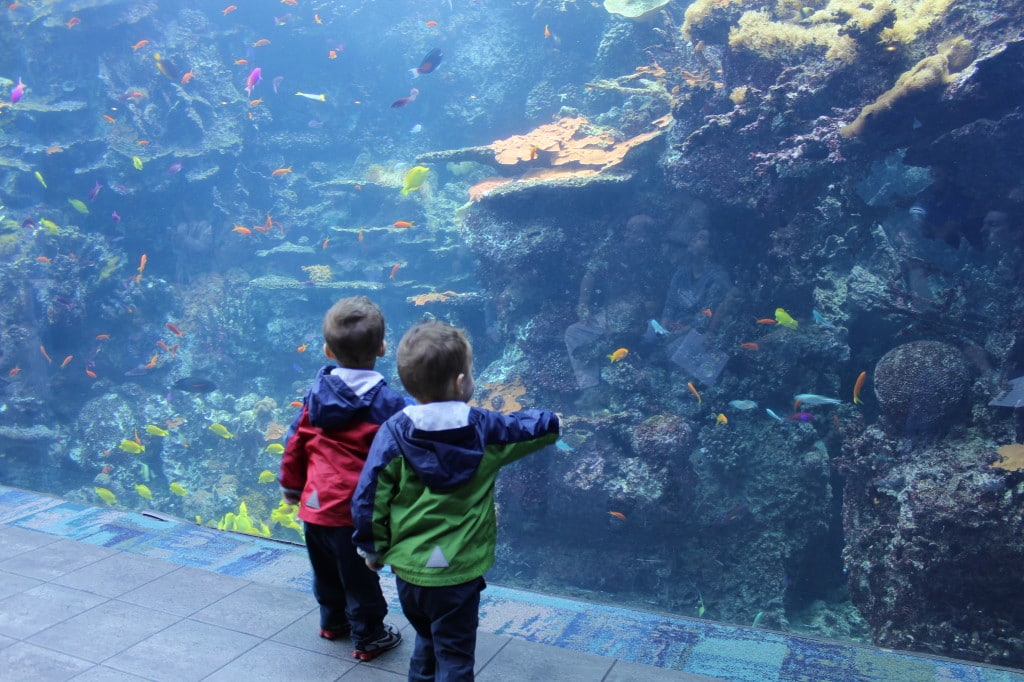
(694,646)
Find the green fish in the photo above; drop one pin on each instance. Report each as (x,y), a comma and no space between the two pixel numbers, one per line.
(221,430)
(414,179)
(106,495)
(784,318)
(137,162)
(144,491)
(39,177)
(154,430)
(131,446)
(50,226)
(178,489)
(275,449)
(79,206)
(267,476)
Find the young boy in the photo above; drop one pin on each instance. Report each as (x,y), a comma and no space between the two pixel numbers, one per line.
(425,500)
(325,450)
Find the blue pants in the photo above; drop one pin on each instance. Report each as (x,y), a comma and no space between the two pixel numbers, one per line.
(445,620)
(348,592)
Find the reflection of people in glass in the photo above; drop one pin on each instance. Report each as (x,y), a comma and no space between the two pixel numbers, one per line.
(700,289)
(1003,239)
(942,210)
(618,294)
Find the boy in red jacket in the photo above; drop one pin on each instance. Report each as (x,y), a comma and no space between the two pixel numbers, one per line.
(325,450)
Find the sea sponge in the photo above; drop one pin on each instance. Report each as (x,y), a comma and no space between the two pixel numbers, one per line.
(921,387)
(759,33)
(319,274)
(931,72)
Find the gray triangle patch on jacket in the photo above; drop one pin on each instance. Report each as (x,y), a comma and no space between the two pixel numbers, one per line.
(437,558)
(313,501)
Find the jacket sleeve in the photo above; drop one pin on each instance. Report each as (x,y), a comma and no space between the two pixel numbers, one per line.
(518,434)
(294,462)
(371,504)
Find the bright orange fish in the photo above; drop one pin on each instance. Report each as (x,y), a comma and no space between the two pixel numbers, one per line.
(42,259)
(255,102)
(142,263)
(42,349)
(107,469)
(750,345)
(618,354)
(706,312)
(174,329)
(229,9)
(241,230)
(137,439)
(66,361)
(693,390)
(766,320)
(14,371)
(163,346)
(140,44)
(325,242)
(91,374)
(547,31)
(241,62)
(55,149)
(296,403)
(261,42)
(109,119)
(857,386)
(302,348)
(72,22)
(617,514)
(430,24)
(189,75)
(394,270)
(152,361)
(102,337)
(142,143)
(281,171)
(401,223)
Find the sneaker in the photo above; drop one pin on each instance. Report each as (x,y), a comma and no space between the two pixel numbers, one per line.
(334,634)
(386,642)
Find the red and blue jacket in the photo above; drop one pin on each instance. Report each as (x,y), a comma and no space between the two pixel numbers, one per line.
(327,444)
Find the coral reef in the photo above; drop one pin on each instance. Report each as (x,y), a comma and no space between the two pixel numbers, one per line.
(921,387)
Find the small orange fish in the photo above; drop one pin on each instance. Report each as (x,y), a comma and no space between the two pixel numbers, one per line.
(142,262)
(109,119)
(693,390)
(750,345)
(241,62)
(42,259)
(261,42)
(102,337)
(534,150)
(229,9)
(72,22)
(160,343)
(332,54)
(394,270)
(547,31)
(325,242)
(290,3)
(706,312)
(617,514)
(241,229)
(66,361)
(281,171)
(42,349)
(14,371)
(618,354)
(55,149)
(91,374)
(152,361)
(142,143)
(766,320)
(357,186)
(255,102)
(857,386)
(189,75)
(174,329)
(142,43)
(401,223)
(137,439)
(302,348)
(721,419)
(107,469)
(296,403)
(430,24)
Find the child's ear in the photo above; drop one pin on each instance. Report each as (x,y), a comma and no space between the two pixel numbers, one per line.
(327,352)
(383,349)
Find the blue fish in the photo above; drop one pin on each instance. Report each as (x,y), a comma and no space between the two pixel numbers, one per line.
(657,328)
(820,319)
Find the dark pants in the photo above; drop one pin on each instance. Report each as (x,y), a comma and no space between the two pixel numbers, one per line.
(445,620)
(348,592)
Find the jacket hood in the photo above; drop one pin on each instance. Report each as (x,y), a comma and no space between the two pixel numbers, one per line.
(440,441)
(338,393)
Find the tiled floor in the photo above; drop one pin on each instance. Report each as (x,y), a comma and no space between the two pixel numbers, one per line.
(91,593)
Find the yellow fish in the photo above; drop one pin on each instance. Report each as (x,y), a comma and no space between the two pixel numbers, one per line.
(318,98)
(721,419)
(154,430)
(131,446)
(267,476)
(275,449)
(221,430)
(106,495)
(414,179)
(618,354)
(137,162)
(178,489)
(79,206)
(39,177)
(783,318)
(144,491)
(51,227)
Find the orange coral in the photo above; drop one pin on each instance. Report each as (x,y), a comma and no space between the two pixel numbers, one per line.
(433,297)
(275,431)
(477,191)
(566,142)
(501,397)
(1012,457)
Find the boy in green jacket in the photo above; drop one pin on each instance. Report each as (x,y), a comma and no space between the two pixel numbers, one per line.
(425,500)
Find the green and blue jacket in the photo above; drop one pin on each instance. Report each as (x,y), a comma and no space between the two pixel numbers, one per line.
(425,501)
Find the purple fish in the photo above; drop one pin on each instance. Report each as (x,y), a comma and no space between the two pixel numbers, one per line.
(174,168)
(94,192)
(116,217)
(29,223)
(255,76)
(801,417)
(277,83)
(17,92)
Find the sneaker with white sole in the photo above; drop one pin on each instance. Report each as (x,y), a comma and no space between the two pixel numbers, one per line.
(374,648)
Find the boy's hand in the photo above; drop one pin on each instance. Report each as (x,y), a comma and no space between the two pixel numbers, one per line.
(373,565)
